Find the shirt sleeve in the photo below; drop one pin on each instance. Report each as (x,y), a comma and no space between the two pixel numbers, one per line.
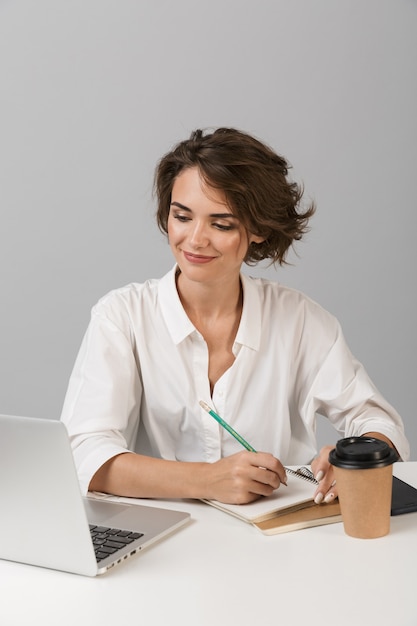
(102,405)
(343,392)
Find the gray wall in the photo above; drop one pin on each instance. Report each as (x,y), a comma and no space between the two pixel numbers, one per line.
(93,92)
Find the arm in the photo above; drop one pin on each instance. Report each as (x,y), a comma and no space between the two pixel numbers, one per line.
(102,410)
(236,479)
(335,384)
(102,404)
(343,392)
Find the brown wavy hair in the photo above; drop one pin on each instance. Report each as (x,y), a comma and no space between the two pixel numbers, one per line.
(254,180)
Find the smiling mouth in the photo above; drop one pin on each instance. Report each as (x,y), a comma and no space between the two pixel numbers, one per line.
(197,258)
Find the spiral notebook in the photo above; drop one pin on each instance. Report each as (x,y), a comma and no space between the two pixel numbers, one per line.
(289,508)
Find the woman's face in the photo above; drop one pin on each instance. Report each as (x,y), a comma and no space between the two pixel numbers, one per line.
(208,242)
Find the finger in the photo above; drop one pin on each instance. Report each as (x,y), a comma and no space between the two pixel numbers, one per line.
(325,492)
(260,489)
(267,477)
(269,462)
(322,470)
(331,494)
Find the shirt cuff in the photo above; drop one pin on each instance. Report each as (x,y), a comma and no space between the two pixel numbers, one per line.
(90,456)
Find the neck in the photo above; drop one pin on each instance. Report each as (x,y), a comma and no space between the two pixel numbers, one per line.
(210,300)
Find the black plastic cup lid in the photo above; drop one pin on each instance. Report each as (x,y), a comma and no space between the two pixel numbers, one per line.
(362,453)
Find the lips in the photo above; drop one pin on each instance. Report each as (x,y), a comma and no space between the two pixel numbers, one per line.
(197,258)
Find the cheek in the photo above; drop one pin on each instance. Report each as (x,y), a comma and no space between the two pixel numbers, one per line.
(237,245)
(173,230)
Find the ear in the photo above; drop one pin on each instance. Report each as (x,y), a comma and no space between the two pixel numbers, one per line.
(255,238)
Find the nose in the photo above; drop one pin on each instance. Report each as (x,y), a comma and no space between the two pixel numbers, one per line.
(198,235)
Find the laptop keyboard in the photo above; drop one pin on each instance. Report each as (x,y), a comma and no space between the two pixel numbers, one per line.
(108,541)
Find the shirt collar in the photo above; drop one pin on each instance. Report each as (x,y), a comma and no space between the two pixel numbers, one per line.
(176,319)
(249,331)
(180,326)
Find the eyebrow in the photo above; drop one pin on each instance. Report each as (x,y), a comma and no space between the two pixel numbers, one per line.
(218,215)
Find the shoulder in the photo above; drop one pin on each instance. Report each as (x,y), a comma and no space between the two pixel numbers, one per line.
(124,304)
(128,294)
(288,304)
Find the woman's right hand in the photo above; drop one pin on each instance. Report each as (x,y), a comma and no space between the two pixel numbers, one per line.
(244,477)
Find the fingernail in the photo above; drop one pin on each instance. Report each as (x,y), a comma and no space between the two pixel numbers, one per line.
(319,475)
(319,498)
(333,484)
(329,498)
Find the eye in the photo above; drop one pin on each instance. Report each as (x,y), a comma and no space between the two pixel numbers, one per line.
(224,227)
(180,217)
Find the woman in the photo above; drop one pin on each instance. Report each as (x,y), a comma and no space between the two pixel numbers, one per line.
(265,357)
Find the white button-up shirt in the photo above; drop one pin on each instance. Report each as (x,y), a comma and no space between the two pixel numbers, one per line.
(143,368)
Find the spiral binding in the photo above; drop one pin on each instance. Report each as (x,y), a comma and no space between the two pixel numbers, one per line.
(304,473)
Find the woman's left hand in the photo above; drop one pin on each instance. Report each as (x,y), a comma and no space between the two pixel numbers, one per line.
(323,472)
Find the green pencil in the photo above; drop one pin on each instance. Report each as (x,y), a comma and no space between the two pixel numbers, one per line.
(305,475)
(227,427)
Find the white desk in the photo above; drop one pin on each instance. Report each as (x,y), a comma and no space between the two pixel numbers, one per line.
(218,570)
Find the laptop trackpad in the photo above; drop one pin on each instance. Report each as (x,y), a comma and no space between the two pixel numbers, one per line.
(103,512)
(139,518)
(142,519)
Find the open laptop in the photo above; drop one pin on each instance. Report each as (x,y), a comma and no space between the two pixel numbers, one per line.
(45,521)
